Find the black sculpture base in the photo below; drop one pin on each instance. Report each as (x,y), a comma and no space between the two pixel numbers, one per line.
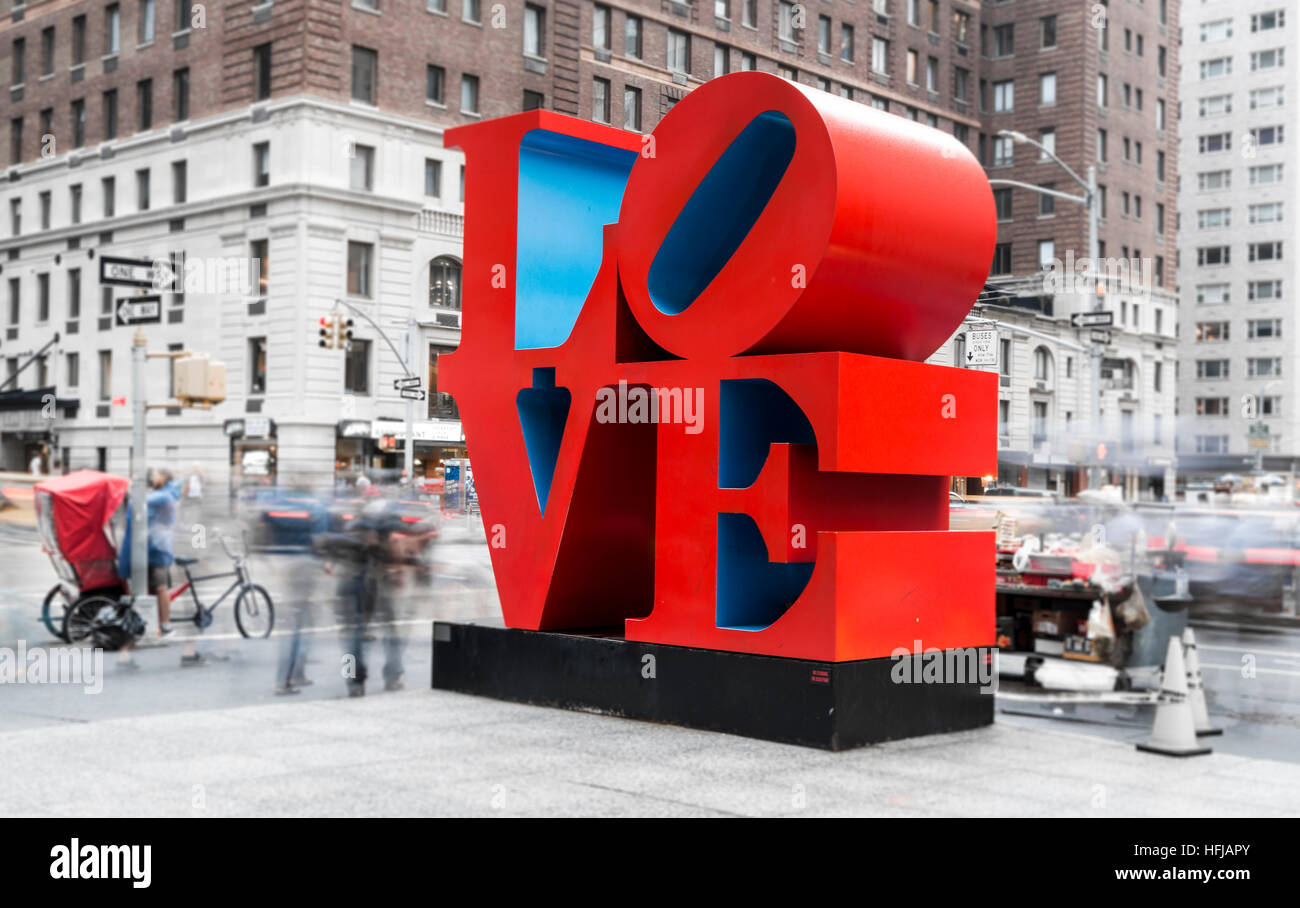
(832,705)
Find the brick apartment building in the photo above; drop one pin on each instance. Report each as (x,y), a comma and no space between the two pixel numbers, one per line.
(307,135)
(1096,83)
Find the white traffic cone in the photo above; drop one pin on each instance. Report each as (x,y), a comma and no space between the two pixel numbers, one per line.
(1195,687)
(1174,731)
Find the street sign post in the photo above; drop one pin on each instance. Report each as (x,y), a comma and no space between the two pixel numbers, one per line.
(411,381)
(1098,319)
(411,394)
(1100,336)
(139,310)
(156,274)
(981,348)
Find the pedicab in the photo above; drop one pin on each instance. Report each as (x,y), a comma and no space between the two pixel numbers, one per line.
(81,517)
(84,521)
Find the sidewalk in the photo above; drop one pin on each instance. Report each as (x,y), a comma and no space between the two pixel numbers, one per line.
(440,753)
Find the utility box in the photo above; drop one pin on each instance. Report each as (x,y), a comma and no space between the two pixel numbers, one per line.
(199,380)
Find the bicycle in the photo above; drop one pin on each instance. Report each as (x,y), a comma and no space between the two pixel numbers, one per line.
(111,623)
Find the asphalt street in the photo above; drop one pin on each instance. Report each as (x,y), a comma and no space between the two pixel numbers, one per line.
(1252,677)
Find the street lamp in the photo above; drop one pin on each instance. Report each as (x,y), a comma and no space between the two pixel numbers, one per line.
(1089,201)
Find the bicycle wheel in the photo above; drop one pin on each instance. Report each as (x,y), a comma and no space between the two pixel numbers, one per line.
(97,620)
(57,600)
(254,611)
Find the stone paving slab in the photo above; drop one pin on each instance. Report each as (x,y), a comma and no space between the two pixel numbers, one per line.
(437,753)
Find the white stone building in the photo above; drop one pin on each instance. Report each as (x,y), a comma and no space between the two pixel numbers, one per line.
(318,200)
(1237,240)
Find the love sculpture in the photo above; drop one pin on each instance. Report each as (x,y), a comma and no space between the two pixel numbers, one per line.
(691,380)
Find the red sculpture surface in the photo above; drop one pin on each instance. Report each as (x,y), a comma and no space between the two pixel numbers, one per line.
(704,417)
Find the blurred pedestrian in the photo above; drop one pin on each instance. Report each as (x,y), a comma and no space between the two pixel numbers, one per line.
(366,559)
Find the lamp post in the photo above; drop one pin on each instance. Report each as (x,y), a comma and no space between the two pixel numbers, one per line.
(1089,201)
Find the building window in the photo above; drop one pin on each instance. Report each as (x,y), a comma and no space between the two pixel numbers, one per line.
(435,78)
(1003,151)
(600,100)
(105,374)
(78,123)
(142,189)
(846,42)
(1004,96)
(73,363)
(74,202)
(444,283)
(432,178)
(262,72)
(74,293)
(785,21)
(1001,259)
(469,94)
(879,55)
(679,51)
(262,164)
(180,179)
(470,11)
(1046,253)
(441,404)
(721,60)
(356,368)
(108,192)
(365,72)
(181,92)
(632,37)
(534,29)
(257,365)
(359,269)
(632,108)
(259,251)
(42,299)
(600,18)
(534,100)
(78,40)
(362,169)
(46,203)
(112,29)
(144,102)
(145,21)
(1047,89)
(1002,202)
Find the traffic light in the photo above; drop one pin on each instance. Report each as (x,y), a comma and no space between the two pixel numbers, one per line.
(345,333)
(329,331)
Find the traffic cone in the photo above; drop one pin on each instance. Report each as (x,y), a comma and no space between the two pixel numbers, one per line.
(1174,731)
(1196,688)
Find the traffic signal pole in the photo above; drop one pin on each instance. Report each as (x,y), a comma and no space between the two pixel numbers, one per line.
(406,359)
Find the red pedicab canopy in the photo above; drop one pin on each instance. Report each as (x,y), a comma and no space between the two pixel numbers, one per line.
(74,514)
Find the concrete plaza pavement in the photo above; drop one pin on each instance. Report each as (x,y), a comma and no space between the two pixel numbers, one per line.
(425,752)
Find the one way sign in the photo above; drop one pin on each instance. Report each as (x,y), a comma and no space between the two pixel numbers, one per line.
(982,348)
(139,310)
